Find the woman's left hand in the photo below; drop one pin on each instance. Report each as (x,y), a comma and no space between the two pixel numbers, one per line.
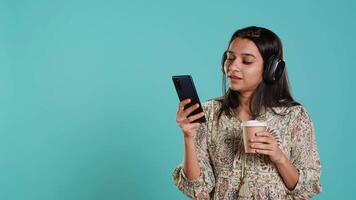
(265,143)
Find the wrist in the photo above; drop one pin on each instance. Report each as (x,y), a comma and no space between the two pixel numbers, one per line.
(281,161)
(188,139)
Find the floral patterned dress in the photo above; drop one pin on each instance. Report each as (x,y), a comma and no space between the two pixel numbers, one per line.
(227,172)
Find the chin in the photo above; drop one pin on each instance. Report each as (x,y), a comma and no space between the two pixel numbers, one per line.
(236,89)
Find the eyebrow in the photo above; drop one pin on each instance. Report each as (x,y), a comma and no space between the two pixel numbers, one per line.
(244,54)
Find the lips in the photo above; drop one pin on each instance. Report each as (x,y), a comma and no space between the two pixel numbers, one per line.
(235,77)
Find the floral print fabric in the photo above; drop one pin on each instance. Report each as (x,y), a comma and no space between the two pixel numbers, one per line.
(227,172)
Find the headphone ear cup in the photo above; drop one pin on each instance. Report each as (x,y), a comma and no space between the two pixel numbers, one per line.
(268,73)
(279,70)
(273,70)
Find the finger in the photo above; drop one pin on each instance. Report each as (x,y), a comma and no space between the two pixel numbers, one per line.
(264,152)
(182,121)
(180,108)
(263,134)
(191,109)
(184,102)
(196,125)
(196,116)
(261,139)
(181,118)
(260,146)
(180,112)
(191,126)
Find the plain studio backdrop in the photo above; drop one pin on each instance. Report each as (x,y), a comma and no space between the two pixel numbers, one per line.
(87,105)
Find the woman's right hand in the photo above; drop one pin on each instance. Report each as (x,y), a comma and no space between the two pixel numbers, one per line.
(189,129)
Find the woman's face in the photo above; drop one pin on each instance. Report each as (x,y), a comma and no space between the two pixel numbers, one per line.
(243,66)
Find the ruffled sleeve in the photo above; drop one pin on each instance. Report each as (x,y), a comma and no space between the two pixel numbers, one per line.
(201,187)
(305,157)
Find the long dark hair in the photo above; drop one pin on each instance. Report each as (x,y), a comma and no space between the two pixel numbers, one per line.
(265,95)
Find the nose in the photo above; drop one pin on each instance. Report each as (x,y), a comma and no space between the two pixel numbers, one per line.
(233,65)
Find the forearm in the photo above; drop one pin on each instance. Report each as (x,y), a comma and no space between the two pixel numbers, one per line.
(288,173)
(191,165)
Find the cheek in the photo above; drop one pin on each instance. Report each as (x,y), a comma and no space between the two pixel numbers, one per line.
(254,74)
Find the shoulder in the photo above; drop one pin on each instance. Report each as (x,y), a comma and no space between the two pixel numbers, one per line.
(299,118)
(297,111)
(300,113)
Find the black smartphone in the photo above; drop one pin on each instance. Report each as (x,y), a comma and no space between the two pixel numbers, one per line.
(185,89)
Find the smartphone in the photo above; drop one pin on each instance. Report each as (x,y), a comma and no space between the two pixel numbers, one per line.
(185,89)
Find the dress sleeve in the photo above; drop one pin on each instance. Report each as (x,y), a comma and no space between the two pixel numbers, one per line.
(305,157)
(201,187)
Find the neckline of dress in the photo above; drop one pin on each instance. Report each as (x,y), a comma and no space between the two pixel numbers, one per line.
(262,117)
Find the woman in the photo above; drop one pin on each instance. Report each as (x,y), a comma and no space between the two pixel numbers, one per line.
(286,162)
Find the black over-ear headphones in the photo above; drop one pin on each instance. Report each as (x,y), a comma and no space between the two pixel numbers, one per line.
(274,68)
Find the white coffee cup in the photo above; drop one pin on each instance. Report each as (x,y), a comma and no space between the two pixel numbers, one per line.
(249,130)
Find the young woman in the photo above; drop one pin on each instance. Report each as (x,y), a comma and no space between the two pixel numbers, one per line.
(286,162)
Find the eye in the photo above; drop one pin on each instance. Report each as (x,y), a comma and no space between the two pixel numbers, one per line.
(247,62)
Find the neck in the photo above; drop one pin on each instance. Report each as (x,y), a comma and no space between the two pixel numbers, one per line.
(244,106)
(244,99)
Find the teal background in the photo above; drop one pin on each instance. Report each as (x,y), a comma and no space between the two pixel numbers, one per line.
(87,106)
